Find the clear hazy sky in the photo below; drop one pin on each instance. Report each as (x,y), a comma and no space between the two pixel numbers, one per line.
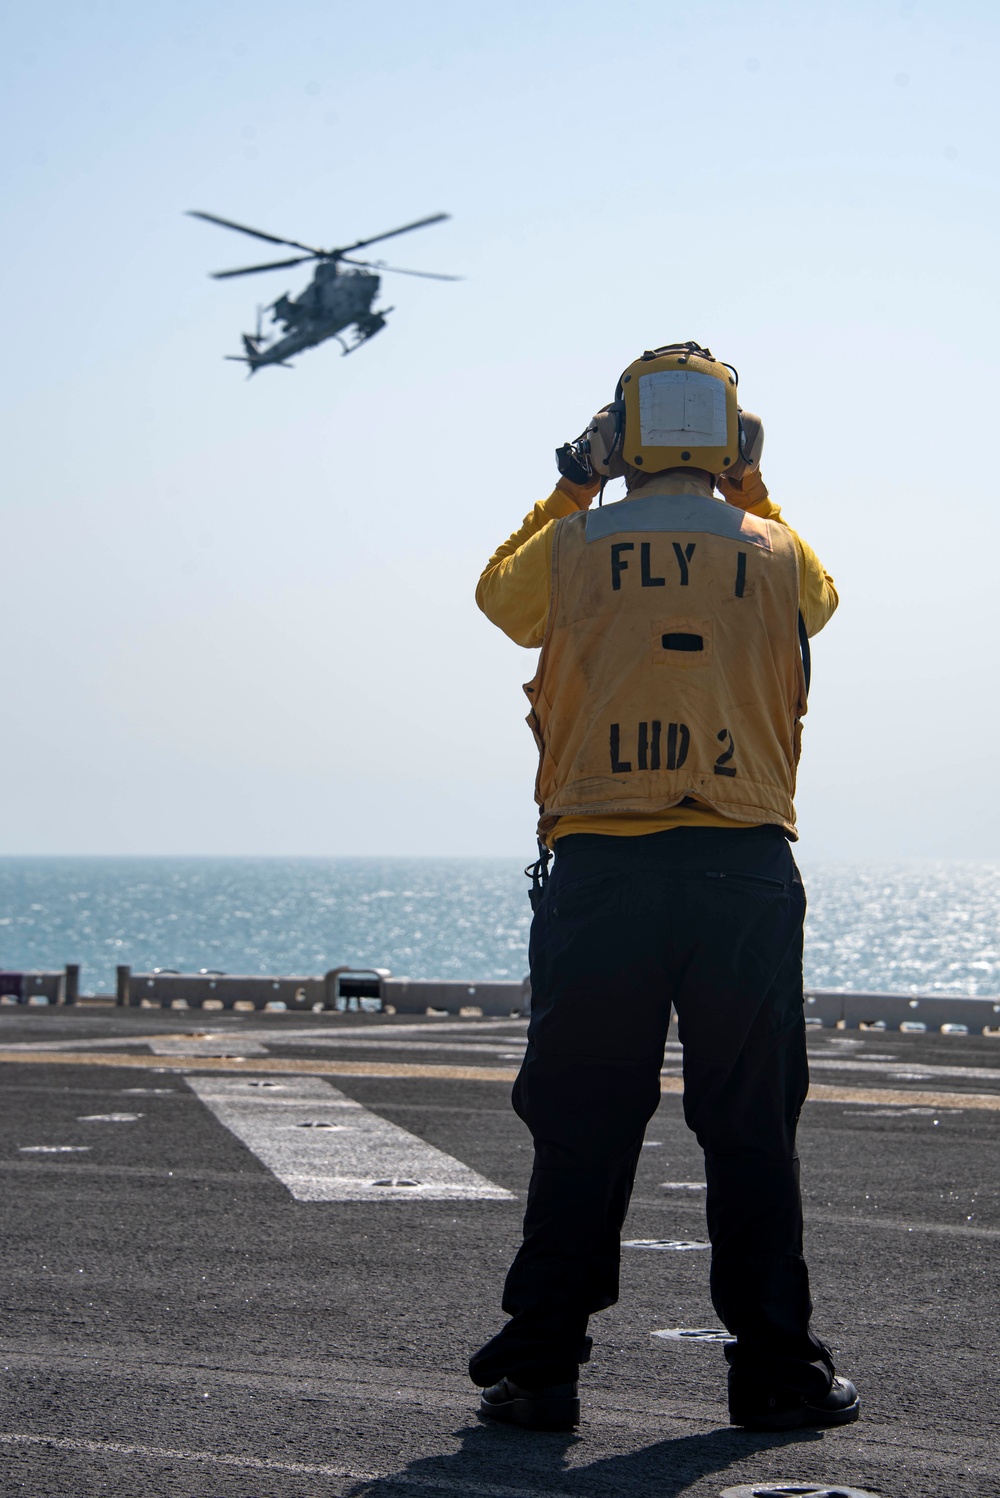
(238,616)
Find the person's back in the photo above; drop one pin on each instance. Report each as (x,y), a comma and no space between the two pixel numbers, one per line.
(667,710)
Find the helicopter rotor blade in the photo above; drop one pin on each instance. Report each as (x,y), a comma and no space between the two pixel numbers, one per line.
(251,270)
(227,223)
(397,270)
(435,218)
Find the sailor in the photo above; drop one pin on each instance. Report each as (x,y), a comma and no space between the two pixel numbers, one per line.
(667,710)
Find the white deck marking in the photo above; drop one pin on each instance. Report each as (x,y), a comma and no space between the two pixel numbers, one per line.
(168,1454)
(263,1464)
(423,1027)
(54,1149)
(108,1117)
(259,1041)
(204,1045)
(515,1046)
(327,1148)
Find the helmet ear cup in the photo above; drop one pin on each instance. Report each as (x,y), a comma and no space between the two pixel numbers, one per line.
(751,447)
(605,437)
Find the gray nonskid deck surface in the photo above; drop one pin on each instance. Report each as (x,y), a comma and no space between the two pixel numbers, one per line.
(177,1322)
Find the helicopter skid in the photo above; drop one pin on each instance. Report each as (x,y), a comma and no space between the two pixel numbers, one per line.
(372,325)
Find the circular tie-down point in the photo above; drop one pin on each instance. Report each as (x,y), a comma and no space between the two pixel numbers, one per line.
(396,1181)
(679,1244)
(694,1334)
(795,1490)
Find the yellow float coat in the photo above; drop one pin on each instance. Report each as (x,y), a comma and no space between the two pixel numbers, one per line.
(691,617)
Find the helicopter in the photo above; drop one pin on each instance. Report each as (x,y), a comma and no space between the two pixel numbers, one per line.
(339,296)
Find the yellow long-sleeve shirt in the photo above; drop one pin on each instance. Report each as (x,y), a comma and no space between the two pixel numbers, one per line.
(514,592)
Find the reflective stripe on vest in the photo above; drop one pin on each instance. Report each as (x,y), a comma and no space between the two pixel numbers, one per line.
(671,665)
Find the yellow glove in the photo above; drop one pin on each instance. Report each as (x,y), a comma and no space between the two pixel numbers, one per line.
(745,493)
(580,494)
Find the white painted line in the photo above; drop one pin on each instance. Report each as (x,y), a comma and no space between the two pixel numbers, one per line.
(238,1035)
(54,1149)
(167,1454)
(870,1111)
(259,1041)
(683,1186)
(230,1043)
(918,1073)
(108,1117)
(427,1026)
(460,1486)
(204,1045)
(357,1156)
(384,1042)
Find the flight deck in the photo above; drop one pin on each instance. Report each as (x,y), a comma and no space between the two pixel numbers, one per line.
(248,1254)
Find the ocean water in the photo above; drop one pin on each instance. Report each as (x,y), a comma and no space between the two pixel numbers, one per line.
(927,927)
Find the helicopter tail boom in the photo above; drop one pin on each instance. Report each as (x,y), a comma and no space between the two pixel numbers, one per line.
(251,351)
(256,364)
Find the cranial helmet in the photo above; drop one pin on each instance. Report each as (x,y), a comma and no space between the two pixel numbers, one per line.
(675,407)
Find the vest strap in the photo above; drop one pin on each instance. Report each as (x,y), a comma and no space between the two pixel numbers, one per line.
(806,652)
(538,873)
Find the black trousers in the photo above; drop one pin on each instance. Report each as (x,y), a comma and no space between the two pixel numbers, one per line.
(710,922)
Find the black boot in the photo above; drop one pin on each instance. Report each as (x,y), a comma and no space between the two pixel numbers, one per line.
(554,1407)
(770,1398)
